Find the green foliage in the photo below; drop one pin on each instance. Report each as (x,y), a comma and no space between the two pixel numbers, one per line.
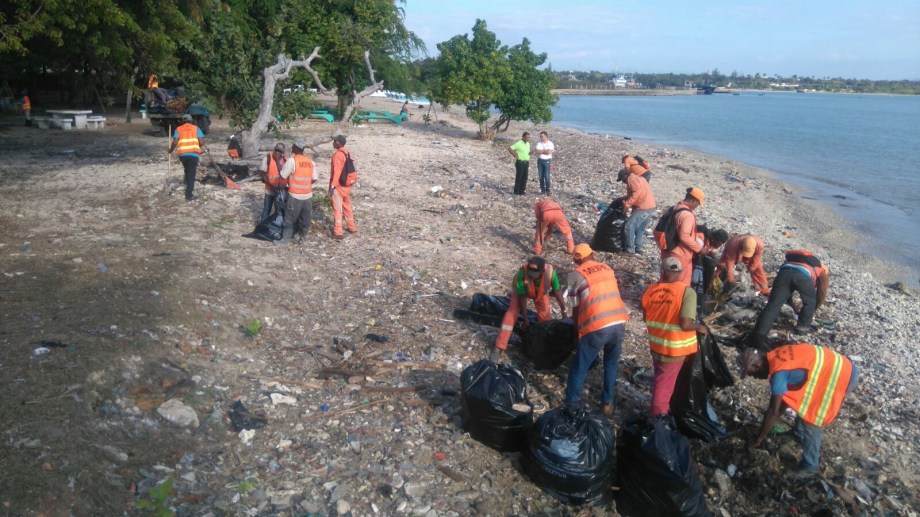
(482,73)
(157,498)
(254,328)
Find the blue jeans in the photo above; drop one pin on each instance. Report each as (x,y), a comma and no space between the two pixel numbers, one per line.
(810,435)
(610,339)
(543,168)
(635,229)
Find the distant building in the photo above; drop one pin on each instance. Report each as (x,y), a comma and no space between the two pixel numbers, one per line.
(619,82)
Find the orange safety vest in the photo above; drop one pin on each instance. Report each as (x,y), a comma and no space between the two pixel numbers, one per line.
(603,306)
(273,176)
(819,399)
(661,303)
(153,82)
(26,103)
(301,181)
(545,282)
(188,139)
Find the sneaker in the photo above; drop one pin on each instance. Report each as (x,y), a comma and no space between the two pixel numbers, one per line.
(282,242)
(338,237)
(607,409)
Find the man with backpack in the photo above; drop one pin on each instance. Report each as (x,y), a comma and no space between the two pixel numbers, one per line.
(636,165)
(803,273)
(676,233)
(298,171)
(341,179)
(639,205)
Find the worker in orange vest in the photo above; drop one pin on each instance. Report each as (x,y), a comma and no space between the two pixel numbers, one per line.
(25,104)
(187,142)
(685,244)
(639,205)
(636,165)
(600,320)
(550,217)
(275,184)
(535,280)
(298,211)
(744,249)
(803,273)
(670,313)
(812,381)
(338,194)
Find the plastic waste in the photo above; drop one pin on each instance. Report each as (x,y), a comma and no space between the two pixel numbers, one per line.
(242,419)
(272,227)
(657,476)
(691,406)
(715,369)
(488,393)
(609,233)
(489,310)
(548,344)
(570,455)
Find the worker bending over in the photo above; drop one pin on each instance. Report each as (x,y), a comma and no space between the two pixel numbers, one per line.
(802,273)
(744,249)
(535,280)
(550,217)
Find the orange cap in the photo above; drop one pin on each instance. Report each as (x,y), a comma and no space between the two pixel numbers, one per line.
(697,193)
(582,251)
(748,247)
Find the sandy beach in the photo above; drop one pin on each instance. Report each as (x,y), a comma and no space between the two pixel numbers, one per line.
(149,296)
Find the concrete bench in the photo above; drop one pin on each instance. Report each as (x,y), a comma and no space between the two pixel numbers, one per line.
(42,122)
(322,114)
(95,122)
(373,116)
(64,123)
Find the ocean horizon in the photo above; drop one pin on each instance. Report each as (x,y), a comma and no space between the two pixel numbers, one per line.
(855,153)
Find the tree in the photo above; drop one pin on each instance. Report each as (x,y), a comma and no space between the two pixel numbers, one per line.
(527,93)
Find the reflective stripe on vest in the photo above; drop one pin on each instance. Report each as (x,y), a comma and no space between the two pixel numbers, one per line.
(274,176)
(188,139)
(819,399)
(662,304)
(603,306)
(301,181)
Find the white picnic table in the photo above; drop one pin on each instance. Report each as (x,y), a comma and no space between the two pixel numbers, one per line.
(79,116)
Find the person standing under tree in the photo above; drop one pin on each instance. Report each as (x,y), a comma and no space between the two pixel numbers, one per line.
(520,150)
(545,150)
(339,194)
(298,211)
(187,144)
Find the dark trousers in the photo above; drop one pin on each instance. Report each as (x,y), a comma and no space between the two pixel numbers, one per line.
(788,281)
(190,164)
(297,212)
(520,177)
(269,203)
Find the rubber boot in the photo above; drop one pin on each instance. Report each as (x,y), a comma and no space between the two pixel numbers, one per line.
(285,237)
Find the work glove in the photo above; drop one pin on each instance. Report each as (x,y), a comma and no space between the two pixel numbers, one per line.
(496,355)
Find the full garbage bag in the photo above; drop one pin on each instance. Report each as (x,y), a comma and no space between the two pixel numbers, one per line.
(494,405)
(609,233)
(489,310)
(715,369)
(271,228)
(570,455)
(657,476)
(690,404)
(549,343)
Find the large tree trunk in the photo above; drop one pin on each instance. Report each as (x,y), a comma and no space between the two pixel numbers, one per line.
(252,137)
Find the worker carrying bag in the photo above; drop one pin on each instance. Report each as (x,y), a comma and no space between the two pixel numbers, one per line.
(609,233)
(494,405)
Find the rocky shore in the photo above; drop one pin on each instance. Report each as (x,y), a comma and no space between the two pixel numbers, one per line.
(347,356)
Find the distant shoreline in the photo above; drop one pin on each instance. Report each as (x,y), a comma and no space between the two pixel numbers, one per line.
(639,93)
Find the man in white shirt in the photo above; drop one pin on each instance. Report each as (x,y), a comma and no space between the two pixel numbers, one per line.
(545,150)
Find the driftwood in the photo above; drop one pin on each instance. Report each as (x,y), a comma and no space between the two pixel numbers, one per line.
(391,389)
(679,167)
(281,70)
(330,372)
(303,384)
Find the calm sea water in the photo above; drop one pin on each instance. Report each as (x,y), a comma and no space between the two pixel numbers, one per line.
(865,148)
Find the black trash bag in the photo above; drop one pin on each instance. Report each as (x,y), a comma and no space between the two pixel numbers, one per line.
(488,393)
(657,476)
(241,418)
(609,233)
(549,343)
(272,227)
(570,455)
(715,369)
(690,403)
(489,310)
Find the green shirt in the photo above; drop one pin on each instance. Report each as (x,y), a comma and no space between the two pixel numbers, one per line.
(520,283)
(687,310)
(522,149)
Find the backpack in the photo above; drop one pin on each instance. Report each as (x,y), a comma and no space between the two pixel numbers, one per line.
(642,162)
(234,149)
(349,174)
(666,229)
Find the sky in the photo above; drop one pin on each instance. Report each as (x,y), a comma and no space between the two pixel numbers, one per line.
(877,39)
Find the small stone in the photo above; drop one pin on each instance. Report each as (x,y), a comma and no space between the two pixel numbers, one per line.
(246,435)
(175,412)
(414,489)
(342,507)
(284,445)
(280,398)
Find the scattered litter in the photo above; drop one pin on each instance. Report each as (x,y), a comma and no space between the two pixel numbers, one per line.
(241,418)
(102,267)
